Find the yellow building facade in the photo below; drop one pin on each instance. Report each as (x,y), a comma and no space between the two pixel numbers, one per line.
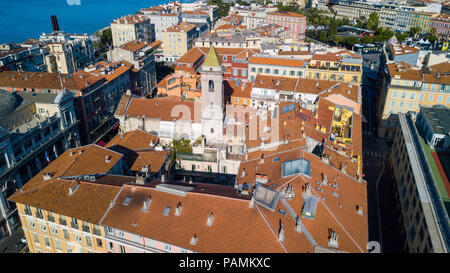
(48,232)
(348,70)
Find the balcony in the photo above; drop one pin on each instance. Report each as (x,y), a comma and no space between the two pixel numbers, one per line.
(51,219)
(39,215)
(28,212)
(73,225)
(62,222)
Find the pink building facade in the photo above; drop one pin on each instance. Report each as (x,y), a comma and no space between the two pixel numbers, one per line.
(119,241)
(442,25)
(296,23)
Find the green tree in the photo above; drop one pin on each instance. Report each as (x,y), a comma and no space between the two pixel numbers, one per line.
(323,36)
(333,27)
(373,21)
(366,39)
(181,146)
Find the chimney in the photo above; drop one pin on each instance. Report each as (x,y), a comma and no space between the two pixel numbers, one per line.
(281,233)
(332,238)
(54,23)
(47,176)
(298,225)
(140,178)
(178,209)
(324,179)
(210,219)
(74,188)
(193,240)
(147,202)
(252,203)
(359,210)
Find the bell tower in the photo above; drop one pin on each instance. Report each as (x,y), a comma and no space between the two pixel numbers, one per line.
(213,104)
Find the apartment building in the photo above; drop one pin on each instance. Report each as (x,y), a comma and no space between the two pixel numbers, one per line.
(36,129)
(242,39)
(178,39)
(275,66)
(340,66)
(405,88)
(67,53)
(441,23)
(421,197)
(296,23)
(130,28)
(161,18)
(422,20)
(96,92)
(404,53)
(197,17)
(142,56)
(26,56)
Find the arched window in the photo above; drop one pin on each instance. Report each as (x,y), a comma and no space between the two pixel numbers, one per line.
(211,85)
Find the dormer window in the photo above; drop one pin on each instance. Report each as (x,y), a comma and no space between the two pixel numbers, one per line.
(194,240)
(210,220)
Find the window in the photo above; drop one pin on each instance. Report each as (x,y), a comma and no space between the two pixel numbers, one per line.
(411,105)
(167,247)
(31,224)
(402,104)
(295,167)
(260,70)
(440,98)
(110,245)
(66,234)
(78,237)
(403,95)
(292,73)
(57,244)
(392,103)
(99,242)
(211,85)
(394,95)
(244,73)
(412,96)
(88,241)
(109,230)
(43,227)
(276,71)
(299,73)
(447,100)
(236,100)
(253,69)
(421,97)
(54,230)
(267,70)
(120,233)
(235,72)
(430,98)
(36,239)
(47,242)
(122,249)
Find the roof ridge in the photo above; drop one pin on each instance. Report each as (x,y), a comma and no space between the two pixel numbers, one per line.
(270,227)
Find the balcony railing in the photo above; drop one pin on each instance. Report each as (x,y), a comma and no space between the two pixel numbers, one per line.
(62,222)
(28,212)
(51,219)
(86,228)
(73,225)
(97,232)
(39,215)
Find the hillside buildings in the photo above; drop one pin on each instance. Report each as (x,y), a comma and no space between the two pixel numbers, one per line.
(67,53)
(130,28)
(26,56)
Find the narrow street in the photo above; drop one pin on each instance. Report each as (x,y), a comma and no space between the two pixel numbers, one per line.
(382,221)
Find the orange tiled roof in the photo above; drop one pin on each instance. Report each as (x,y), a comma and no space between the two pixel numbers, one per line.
(276,61)
(133,46)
